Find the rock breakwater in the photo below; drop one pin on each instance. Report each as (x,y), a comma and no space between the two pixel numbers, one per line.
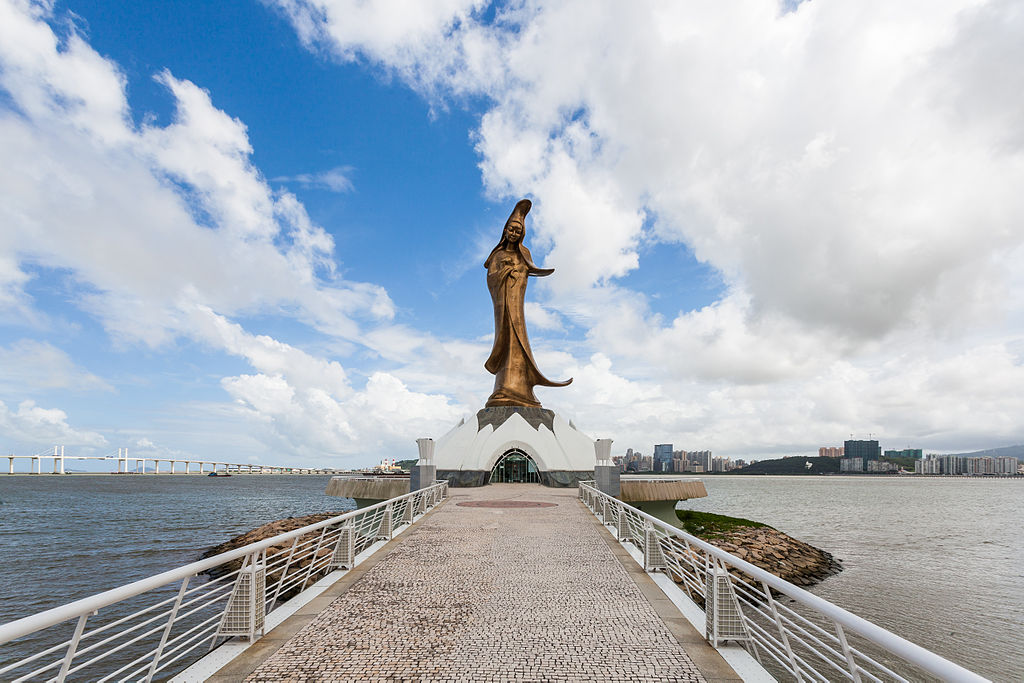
(277,554)
(779,553)
(763,546)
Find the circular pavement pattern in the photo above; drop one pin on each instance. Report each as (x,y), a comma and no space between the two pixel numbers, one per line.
(506,504)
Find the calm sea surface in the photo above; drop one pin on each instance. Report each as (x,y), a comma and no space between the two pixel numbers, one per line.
(64,538)
(938,561)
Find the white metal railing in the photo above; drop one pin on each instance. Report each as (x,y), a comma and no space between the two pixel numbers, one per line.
(805,637)
(159,625)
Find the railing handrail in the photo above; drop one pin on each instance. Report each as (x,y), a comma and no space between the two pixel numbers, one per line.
(911,652)
(644,477)
(41,620)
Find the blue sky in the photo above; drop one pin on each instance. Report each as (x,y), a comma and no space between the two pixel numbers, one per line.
(258,228)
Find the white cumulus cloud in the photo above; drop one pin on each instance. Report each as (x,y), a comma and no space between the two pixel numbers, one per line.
(33,424)
(851,171)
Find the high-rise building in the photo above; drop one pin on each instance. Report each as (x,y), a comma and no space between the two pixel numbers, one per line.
(830,452)
(851,465)
(1006,464)
(721,464)
(663,457)
(867,450)
(952,464)
(905,453)
(702,458)
(857,453)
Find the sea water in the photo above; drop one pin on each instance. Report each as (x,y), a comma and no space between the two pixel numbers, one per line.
(938,561)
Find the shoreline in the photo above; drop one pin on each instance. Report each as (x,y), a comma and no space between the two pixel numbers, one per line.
(764,546)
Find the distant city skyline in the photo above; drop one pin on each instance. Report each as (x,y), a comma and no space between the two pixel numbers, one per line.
(255,230)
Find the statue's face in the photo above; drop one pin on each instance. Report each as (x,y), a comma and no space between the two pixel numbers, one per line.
(514,231)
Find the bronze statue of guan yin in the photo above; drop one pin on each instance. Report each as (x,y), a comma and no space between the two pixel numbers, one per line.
(511,360)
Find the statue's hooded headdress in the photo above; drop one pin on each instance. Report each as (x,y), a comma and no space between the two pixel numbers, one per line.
(518,216)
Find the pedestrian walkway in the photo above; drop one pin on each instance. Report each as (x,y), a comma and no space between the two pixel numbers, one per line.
(477,593)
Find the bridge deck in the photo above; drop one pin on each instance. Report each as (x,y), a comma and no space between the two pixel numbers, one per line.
(476,593)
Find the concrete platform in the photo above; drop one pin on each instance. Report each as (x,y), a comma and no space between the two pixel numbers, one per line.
(490,593)
(650,489)
(367,490)
(658,496)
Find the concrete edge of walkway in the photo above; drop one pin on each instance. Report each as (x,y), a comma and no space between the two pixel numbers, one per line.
(722,665)
(236,659)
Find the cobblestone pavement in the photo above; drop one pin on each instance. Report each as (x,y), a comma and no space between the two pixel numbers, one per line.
(486,594)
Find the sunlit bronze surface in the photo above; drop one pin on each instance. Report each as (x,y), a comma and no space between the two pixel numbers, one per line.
(511,361)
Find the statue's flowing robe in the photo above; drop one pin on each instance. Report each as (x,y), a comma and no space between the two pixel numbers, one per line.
(511,360)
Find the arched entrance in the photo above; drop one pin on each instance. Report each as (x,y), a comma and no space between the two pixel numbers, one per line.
(515,467)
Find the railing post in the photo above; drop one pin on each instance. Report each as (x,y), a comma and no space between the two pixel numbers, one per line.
(409,513)
(387,525)
(724,619)
(654,556)
(345,548)
(244,613)
(167,630)
(72,646)
(622,526)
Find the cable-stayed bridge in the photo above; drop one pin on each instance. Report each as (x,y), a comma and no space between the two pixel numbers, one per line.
(138,464)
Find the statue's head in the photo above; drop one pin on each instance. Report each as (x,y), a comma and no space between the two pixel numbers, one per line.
(515,226)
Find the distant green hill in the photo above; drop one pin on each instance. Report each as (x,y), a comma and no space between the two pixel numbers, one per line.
(1012,451)
(792,465)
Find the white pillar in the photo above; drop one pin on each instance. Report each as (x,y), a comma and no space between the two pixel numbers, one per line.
(156,466)
(426,447)
(606,473)
(201,465)
(10,466)
(33,464)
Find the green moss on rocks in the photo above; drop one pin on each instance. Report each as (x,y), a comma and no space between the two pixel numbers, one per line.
(763,546)
(709,525)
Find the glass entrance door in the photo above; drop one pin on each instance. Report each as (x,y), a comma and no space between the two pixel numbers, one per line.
(515,467)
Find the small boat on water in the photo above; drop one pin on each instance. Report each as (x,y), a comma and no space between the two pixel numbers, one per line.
(218,474)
